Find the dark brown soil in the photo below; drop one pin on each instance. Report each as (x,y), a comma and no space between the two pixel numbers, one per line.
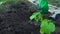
(14,19)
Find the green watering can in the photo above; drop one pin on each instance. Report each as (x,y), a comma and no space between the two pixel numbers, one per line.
(43,6)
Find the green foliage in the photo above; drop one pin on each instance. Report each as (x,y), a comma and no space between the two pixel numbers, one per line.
(46,26)
(0,8)
(8,0)
(2,0)
(5,4)
(16,1)
(36,16)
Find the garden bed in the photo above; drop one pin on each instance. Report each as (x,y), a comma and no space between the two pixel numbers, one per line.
(15,19)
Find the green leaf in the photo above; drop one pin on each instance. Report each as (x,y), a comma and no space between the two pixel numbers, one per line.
(34,15)
(2,0)
(47,26)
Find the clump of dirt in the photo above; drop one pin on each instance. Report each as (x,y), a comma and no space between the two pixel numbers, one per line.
(14,19)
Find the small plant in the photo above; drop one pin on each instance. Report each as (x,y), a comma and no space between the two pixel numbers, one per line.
(46,26)
(36,16)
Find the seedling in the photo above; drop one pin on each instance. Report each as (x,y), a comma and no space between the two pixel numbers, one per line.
(36,16)
(46,26)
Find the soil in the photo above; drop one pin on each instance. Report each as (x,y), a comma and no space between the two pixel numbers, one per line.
(15,19)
